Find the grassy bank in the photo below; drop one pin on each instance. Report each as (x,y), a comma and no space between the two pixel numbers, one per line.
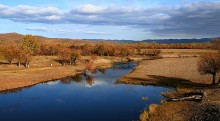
(12,77)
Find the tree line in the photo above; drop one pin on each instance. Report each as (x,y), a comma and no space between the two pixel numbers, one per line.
(23,51)
(68,53)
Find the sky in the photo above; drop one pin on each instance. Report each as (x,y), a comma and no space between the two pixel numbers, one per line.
(112,19)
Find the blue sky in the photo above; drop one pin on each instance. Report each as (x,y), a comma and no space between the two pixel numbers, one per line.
(112,19)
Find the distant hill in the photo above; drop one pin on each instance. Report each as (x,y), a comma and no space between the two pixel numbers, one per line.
(176,41)
(162,41)
(8,38)
(120,41)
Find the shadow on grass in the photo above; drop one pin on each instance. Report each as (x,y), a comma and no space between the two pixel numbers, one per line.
(4,63)
(173,82)
(58,61)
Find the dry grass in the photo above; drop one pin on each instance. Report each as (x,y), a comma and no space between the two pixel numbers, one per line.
(175,53)
(174,72)
(20,78)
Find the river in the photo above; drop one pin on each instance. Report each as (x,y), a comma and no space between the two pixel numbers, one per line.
(81,98)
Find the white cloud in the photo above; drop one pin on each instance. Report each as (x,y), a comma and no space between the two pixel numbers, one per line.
(89,8)
(38,28)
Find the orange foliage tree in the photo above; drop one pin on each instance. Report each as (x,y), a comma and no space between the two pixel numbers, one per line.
(9,53)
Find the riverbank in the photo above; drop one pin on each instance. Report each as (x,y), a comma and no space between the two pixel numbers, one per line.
(181,74)
(12,77)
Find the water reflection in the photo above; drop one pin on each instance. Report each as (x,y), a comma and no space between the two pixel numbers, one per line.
(70,79)
(87,78)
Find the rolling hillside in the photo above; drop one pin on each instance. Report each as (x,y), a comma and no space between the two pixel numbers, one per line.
(9,38)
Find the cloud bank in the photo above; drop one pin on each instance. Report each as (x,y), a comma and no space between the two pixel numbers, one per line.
(195,19)
(61,31)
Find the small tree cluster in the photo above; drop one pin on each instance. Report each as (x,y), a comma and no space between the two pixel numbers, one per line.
(23,52)
(49,49)
(67,55)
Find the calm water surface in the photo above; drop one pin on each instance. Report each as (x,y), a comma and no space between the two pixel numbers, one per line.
(80,99)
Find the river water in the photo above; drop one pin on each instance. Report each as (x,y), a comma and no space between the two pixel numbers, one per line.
(80,98)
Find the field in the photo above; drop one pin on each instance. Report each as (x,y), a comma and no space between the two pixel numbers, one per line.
(168,69)
(176,53)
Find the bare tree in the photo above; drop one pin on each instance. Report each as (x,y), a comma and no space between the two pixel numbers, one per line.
(209,64)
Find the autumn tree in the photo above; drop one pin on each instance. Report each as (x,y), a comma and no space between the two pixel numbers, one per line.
(209,64)
(124,51)
(26,58)
(9,53)
(100,49)
(29,47)
(19,56)
(216,44)
(64,55)
(48,49)
(87,49)
(138,48)
(75,55)
(29,43)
